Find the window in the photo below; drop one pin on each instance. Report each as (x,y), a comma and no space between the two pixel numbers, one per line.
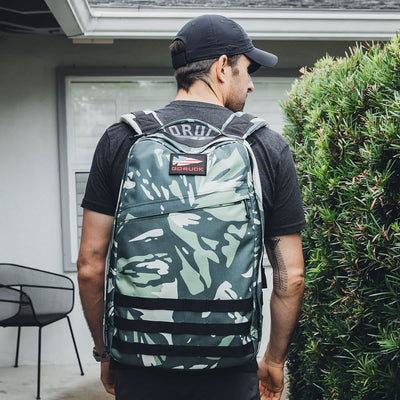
(89,104)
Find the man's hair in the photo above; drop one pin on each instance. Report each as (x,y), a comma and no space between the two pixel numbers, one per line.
(185,76)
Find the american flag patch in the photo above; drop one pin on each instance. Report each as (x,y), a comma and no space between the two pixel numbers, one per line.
(188,164)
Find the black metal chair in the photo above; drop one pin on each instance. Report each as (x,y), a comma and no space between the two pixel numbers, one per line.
(32,297)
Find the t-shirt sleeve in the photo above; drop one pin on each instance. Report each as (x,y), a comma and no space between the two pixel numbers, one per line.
(286,216)
(98,194)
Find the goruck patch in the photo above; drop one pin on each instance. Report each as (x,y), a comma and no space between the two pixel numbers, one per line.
(188,164)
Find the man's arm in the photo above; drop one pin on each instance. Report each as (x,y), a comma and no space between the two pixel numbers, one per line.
(286,258)
(96,233)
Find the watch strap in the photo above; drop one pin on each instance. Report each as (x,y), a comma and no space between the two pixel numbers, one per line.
(101,357)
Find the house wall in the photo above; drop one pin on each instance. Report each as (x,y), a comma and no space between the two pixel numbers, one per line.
(30,215)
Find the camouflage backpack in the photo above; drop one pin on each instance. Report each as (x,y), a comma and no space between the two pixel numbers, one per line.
(183,283)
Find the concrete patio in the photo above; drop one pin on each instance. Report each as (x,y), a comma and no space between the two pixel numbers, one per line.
(58,382)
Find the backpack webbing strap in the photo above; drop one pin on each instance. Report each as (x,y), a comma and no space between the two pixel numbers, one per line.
(184,351)
(181,328)
(238,305)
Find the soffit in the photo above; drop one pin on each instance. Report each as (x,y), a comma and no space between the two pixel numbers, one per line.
(161,19)
(33,17)
(266,4)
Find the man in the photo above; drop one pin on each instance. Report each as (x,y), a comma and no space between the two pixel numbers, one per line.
(213,58)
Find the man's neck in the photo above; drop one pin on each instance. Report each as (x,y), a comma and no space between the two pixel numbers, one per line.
(200,91)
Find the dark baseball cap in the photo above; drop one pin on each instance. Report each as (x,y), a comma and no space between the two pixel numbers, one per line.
(210,36)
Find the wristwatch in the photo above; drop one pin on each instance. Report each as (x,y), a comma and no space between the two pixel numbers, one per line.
(101,357)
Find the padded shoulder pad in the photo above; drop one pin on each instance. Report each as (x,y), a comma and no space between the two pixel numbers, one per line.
(130,119)
(243,125)
(142,122)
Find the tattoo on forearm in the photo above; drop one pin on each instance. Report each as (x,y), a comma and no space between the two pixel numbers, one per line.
(278,264)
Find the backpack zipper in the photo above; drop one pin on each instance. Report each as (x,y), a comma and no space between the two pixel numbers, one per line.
(245,201)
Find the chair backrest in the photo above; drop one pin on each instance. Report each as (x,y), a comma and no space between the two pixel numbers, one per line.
(13,274)
(33,293)
(11,301)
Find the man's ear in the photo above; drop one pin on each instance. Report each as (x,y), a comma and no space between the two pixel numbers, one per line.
(220,68)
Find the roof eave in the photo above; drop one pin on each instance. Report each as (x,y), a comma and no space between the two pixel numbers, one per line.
(77,19)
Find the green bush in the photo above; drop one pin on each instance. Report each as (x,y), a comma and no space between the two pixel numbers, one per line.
(344,128)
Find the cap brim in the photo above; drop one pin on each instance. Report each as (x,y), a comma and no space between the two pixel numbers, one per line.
(261,58)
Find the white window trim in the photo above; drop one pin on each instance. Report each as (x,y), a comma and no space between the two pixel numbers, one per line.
(67,168)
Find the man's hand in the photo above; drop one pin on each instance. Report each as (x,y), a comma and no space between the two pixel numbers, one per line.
(107,377)
(270,380)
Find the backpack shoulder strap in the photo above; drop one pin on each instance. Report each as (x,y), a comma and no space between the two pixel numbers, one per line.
(142,122)
(243,125)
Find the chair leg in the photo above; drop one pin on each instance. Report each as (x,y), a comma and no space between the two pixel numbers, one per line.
(17,351)
(76,348)
(38,369)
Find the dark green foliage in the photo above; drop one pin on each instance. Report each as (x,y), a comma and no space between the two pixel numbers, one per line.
(344,128)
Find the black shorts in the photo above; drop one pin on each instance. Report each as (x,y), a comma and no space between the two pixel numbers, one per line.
(154,384)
